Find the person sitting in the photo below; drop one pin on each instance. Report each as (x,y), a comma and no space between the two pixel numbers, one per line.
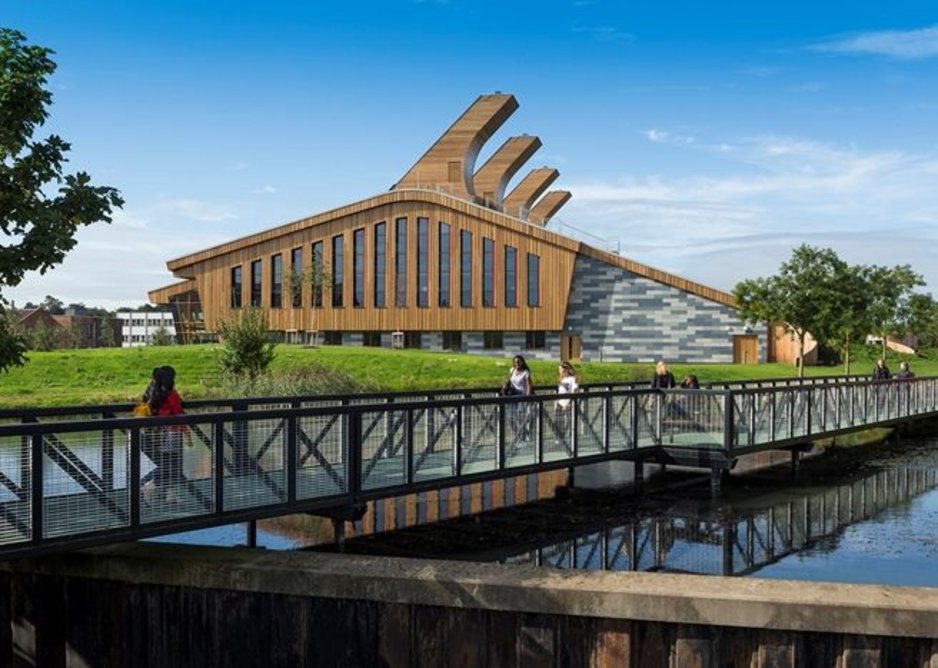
(881,371)
(690,383)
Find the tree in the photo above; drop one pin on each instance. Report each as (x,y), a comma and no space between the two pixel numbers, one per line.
(162,337)
(53,305)
(41,208)
(246,350)
(922,321)
(803,296)
(852,321)
(889,294)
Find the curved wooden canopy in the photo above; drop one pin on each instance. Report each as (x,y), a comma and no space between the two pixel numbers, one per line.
(547,206)
(448,164)
(519,201)
(493,177)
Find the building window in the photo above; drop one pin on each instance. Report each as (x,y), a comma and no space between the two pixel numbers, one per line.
(371,339)
(236,287)
(488,272)
(332,338)
(358,268)
(412,340)
(493,340)
(465,269)
(423,262)
(443,272)
(452,341)
(511,276)
(535,340)
(317,274)
(256,278)
(534,280)
(276,281)
(295,280)
(338,273)
(400,262)
(381,254)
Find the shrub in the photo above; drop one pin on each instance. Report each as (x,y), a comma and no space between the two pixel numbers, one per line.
(246,349)
(307,379)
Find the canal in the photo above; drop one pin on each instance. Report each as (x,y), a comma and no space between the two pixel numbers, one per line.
(870,518)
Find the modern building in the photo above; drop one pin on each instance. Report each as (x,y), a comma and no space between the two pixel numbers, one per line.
(138,328)
(451,259)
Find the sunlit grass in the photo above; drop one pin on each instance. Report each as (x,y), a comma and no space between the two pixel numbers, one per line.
(105,375)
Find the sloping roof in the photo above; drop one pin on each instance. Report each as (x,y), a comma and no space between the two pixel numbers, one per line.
(184,265)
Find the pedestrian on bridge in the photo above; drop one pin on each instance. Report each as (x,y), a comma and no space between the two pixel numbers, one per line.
(663,378)
(881,371)
(165,401)
(905,373)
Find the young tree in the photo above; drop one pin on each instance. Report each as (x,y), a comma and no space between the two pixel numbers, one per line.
(246,349)
(922,321)
(41,208)
(852,320)
(889,292)
(162,337)
(803,296)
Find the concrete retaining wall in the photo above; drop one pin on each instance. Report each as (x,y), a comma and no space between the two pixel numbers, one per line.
(149,604)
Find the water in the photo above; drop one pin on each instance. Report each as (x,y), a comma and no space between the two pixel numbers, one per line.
(874,521)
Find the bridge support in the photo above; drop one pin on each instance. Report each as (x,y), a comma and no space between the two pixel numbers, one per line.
(795,462)
(251,533)
(716,480)
(638,473)
(338,530)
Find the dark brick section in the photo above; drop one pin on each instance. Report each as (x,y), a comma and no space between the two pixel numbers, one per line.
(625,317)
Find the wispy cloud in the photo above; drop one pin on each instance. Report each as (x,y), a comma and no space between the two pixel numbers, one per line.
(898,44)
(664,137)
(719,229)
(203,212)
(265,190)
(604,33)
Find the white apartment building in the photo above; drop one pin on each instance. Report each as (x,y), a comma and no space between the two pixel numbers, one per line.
(139,327)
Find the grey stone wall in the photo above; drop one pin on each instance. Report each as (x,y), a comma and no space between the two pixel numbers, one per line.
(624,317)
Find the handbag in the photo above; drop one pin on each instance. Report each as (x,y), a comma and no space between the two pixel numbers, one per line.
(142,409)
(508,390)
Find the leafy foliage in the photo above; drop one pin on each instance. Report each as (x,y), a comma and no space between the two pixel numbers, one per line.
(162,337)
(246,349)
(38,229)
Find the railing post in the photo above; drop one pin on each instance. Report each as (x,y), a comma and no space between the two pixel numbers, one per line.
(457,450)
(133,477)
(409,446)
(107,457)
(500,440)
(35,489)
(354,451)
(218,439)
(728,421)
(291,464)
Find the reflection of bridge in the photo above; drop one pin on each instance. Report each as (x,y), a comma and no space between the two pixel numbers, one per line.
(733,545)
(69,477)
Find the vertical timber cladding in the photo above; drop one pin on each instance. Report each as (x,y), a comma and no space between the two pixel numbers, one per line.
(211,269)
(631,313)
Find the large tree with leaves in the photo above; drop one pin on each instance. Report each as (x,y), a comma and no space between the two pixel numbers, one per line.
(890,292)
(804,295)
(41,207)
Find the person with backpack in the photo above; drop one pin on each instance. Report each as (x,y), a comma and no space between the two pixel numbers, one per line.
(167,441)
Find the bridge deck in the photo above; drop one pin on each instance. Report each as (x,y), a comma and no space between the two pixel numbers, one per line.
(67,482)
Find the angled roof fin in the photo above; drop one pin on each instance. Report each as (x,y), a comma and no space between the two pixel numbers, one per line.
(520,200)
(493,177)
(547,206)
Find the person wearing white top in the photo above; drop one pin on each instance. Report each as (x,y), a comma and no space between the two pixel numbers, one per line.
(566,385)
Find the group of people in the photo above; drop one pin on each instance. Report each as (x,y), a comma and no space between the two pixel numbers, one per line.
(881,371)
(664,379)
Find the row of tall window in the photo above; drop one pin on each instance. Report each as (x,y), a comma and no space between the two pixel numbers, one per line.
(321,277)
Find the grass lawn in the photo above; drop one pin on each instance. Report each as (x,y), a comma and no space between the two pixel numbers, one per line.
(104,375)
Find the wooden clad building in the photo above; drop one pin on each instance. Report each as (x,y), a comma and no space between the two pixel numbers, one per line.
(447,260)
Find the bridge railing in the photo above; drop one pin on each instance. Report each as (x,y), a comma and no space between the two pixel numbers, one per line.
(99,480)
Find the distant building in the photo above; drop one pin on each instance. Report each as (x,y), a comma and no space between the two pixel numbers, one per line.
(71,330)
(139,327)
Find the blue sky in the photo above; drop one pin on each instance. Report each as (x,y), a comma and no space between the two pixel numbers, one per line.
(704,139)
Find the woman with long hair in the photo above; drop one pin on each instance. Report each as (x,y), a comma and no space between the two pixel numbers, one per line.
(165,401)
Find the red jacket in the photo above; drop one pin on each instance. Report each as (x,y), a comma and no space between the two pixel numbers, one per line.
(172,405)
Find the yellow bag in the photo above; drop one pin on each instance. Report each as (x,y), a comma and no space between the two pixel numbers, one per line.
(142,409)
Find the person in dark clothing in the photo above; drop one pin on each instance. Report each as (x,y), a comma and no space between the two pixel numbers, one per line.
(690,383)
(905,373)
(663,379)
(881,371)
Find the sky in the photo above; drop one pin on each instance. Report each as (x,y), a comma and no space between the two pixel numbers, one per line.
(704,139)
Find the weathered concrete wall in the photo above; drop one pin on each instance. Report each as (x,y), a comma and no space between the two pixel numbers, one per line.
(165,605)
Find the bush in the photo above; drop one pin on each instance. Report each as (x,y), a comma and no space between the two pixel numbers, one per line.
(246,349)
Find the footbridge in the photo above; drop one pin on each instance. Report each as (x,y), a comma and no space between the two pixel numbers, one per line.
(73,477)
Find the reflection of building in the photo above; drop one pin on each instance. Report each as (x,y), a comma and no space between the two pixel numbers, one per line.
(139,327)
(451,259)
